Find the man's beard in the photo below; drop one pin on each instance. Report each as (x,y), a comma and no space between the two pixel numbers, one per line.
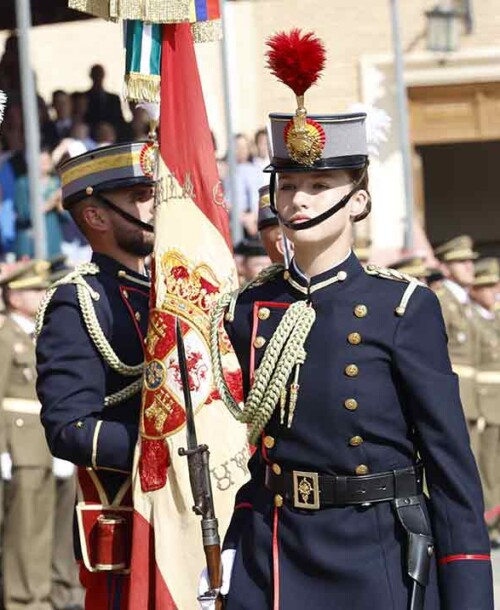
(137,243)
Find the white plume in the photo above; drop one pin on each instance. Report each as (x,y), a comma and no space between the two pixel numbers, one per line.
(378,126)
(3,102)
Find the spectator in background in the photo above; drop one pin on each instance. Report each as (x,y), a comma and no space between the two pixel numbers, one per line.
(102,106)
(63,120)
(52,207)
(105,134)
(9,67)
(81,133)
(248,179)
(261,158)
(79,107)
(12,167)
(48,133)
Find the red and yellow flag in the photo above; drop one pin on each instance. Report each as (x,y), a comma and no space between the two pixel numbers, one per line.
(192,267)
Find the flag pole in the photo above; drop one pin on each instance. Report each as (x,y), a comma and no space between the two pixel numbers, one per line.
(31,128)
(236,228)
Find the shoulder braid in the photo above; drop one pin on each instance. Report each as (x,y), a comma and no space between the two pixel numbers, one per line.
(394,274)
(284,351)
(86,295)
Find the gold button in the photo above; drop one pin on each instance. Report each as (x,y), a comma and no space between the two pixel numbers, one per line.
(278,501)
(354,338)
(341,276)
(356,441)
(121,273)
(259,342)
(269,442)
(264,313)
(19,422)
(351,404)
(360,311)
(277,469)
(362,469)
(89,190)
(137,316)
(125,294)
(286,275)
(79,424)
(351,370)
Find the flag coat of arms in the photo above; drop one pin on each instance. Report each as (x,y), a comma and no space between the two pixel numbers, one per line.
(192,267)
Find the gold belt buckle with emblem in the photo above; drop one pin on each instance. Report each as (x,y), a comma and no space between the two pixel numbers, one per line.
(305,490)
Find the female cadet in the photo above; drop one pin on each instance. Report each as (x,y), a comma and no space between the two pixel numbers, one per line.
(347,383)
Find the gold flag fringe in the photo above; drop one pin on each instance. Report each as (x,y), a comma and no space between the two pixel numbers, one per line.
(207,31)
(153,11)
(142,87)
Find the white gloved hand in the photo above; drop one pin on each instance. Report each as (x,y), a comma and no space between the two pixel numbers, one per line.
(62,469)
(6,466)
(227,560)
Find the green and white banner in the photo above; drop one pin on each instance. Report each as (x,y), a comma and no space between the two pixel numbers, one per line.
(142,61)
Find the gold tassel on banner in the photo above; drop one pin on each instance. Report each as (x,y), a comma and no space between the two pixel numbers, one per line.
(142,87)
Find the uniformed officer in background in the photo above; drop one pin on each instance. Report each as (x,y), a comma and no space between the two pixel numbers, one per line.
(457,258)
(269,228)
(90,354)
(37,568)
(483,293)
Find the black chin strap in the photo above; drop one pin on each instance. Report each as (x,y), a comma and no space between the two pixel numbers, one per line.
(308,224)
(125,215)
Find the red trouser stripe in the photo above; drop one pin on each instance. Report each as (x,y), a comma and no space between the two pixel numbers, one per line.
(276,561)
(451,558)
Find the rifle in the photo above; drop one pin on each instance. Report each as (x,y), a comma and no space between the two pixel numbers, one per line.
(201,486)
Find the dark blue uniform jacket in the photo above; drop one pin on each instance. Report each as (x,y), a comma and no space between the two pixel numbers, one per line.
(74,379)
(400,400)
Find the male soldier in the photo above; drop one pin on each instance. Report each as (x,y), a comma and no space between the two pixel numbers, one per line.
(90,355)
(488,387)
(269,228)
(457,257)
(412,265)
(30,525)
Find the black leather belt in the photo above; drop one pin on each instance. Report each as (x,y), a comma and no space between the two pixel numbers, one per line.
(312,491)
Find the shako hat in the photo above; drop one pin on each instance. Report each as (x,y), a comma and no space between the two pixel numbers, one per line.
(107,168)
(266,218)
(302,142)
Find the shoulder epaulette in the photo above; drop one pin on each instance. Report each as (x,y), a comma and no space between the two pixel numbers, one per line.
(398,276)
(85,297)
(266,275)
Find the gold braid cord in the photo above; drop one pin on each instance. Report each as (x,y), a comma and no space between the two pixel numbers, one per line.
(86,294)
(284,351)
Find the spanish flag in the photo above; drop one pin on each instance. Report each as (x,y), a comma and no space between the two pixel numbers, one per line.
(192,267)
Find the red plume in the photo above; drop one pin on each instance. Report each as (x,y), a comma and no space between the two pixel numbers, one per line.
(296,59)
